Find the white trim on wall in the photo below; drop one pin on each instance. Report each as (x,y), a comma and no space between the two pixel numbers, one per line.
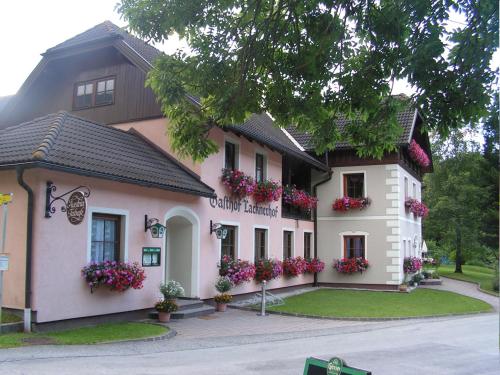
(124,224)
(353,233)
(365,185)
(283,230)
(193,218)
(267,240)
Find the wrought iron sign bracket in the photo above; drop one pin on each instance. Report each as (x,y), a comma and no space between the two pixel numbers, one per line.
(50,199)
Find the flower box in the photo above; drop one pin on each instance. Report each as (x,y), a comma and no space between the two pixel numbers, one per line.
(237,270)
(416,207)
(345,204)
(268,269)
(314,265)
(418,155)
(293,267)
(299,198)
(267,191)
(350,265)
(118,276)
(412,265)
(237,183)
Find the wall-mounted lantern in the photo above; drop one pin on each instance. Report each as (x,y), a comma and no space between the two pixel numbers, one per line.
(219,230)
(153,224)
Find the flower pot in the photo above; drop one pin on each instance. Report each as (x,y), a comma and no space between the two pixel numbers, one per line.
(403,288)
(163,317)
(221,307)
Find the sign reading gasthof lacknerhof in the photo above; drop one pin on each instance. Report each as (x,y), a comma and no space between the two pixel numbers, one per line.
(244,206)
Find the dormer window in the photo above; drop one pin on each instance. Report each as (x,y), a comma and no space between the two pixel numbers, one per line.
(94,93)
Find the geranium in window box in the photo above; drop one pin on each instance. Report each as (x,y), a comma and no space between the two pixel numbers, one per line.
(299,198)
(351,265)
(118,276)
(418,155)
(237,270)
(268,269)
(345,204)
(293,267)
(412,265)
(239,184)
(314,265)
(416,207)
(267,191)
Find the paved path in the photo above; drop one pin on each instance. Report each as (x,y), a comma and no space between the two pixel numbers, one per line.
(467,289)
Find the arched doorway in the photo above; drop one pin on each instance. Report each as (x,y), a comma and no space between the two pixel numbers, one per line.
(182,249)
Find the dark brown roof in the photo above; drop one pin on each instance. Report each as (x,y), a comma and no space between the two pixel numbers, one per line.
(406,119)
(69,143)
(108,30)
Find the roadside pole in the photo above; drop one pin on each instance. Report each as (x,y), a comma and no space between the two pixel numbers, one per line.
(5,199)
(263,300)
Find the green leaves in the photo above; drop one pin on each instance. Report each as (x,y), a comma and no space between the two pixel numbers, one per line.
(309,62)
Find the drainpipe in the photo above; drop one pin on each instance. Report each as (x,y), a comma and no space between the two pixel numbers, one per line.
(29,249)
(328,178)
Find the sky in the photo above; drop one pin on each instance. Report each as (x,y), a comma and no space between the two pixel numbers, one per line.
(29,27)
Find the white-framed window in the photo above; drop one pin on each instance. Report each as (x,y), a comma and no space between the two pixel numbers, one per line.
(353,244)
(260,242)
(404,249)
(353,184)
(288,243)
(414,191)
(231,154)
(260,167)
(308,245)
(406,187)
(107,234)
(231,244)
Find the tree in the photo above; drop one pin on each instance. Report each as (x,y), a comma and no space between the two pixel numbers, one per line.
(309,63)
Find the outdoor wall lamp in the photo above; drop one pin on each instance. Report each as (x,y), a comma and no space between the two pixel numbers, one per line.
(153,224)
(219,230)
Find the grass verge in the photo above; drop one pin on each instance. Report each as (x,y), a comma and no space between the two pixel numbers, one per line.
(10,318)
(86,335)
(368,304)
(477,274)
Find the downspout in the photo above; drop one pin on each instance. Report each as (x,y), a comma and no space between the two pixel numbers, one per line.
(29,249)
(330,173)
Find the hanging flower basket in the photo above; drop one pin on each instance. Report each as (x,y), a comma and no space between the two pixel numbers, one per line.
(345,204)
(351,265)
(412,264)
(299,198)
(418,155)
(237,270)
(293,267)
(268,269)
(237,183)
(118,276)
(416,207)
(267,191)
(314,265)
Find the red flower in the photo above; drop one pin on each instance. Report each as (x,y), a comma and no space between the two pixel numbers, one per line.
(346,203)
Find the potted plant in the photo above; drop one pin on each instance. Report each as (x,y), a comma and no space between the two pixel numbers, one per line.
(164,308)
(223,285)
(171,290)
(403,287)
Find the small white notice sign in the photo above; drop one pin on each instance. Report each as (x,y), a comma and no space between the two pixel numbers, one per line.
(4,262)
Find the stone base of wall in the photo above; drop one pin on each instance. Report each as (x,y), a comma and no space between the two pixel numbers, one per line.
(361,286)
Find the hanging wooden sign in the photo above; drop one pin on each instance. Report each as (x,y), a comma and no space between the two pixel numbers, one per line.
(76,206)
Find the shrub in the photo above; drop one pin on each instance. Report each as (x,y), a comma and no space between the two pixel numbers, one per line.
(166,306)
(294,267)
(238,271)
(118,276)
(239,184)
(223,298)
(417,278)
(223,284)
(315,265)
(268,269)
(412,264)
(171,290)
(345,204)
(351,265)
(435,275)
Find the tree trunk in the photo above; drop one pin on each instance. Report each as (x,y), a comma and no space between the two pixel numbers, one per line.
(458,256)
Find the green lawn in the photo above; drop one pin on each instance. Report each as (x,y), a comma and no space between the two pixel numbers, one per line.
(10,318)
(482,275)
(87,335)
(367,304)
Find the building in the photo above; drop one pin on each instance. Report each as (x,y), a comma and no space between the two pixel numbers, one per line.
(84,121)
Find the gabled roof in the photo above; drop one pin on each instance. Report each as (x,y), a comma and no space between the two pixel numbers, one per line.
(72,144)
(406,118)
(3,101)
